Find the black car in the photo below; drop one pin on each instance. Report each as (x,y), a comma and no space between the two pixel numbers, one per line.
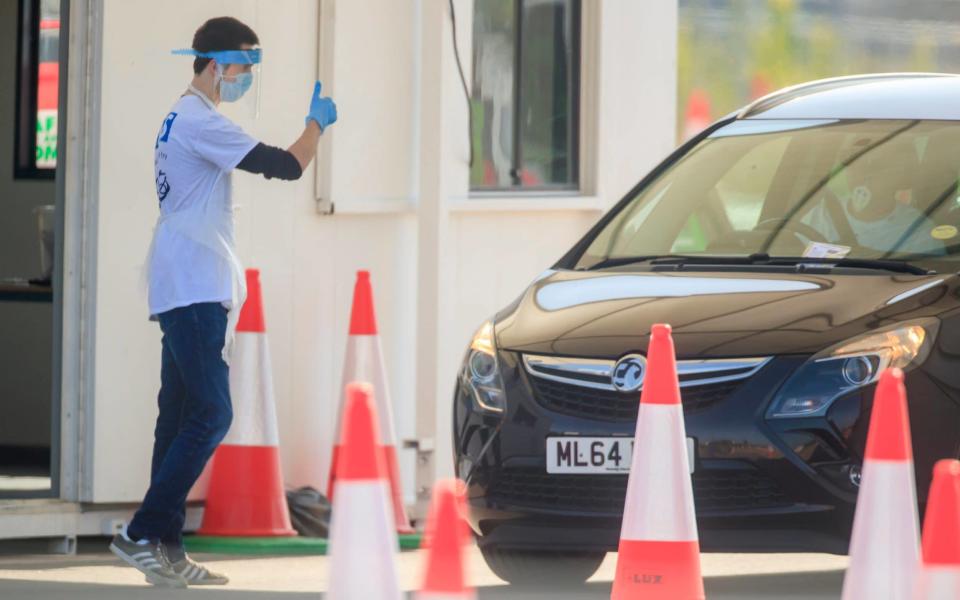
(797,247)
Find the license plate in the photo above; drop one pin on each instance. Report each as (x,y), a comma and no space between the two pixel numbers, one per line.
(596,455)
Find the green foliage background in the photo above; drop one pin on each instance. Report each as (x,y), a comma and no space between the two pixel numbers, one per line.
(726,48)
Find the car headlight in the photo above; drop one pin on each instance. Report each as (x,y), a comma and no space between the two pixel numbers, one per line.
(850,365)
(481,373)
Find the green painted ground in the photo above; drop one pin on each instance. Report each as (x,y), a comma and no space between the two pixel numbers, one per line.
(274,545)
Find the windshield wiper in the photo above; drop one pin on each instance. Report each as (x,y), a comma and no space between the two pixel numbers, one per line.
(762,258)
(679,259)
(895,266)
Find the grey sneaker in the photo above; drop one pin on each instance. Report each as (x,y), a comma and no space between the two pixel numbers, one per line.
(149,559)
(197,574)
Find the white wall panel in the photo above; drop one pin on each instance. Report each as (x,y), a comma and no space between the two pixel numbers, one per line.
(372,146)
(636,91)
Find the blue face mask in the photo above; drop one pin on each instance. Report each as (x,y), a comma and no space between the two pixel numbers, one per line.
(231,91)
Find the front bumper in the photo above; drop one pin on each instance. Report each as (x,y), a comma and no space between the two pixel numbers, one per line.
(759,484)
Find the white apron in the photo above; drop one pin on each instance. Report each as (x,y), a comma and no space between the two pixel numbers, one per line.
(210,226)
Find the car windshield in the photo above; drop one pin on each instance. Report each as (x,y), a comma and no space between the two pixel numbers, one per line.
(828,189)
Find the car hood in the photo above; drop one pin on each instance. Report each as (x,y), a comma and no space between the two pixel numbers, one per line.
(713,314)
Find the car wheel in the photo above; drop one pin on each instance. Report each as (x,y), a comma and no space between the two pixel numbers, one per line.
(536,567)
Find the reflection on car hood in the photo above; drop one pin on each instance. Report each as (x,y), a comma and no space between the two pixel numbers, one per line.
(566,294)
(743,313)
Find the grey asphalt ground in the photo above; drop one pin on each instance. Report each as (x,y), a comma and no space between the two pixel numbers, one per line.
(98,575)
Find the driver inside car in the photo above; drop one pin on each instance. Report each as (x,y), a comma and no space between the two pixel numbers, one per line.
(873,194)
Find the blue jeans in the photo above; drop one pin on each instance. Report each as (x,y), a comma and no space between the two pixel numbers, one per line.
(195,414)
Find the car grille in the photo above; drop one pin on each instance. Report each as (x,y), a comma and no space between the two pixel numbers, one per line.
(584,387)
(728,490)
(608,405)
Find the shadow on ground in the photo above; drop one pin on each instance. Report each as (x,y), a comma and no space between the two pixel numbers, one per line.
(45,590)
(800,586)
(31,583)
(818,585)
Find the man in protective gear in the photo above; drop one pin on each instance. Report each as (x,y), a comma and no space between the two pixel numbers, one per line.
(196,282)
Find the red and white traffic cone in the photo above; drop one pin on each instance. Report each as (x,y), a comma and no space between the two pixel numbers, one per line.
(245,495)
(445,540)
(659,554)
(364,362)
(697,115)
(939,577)
(362,535)
(885,544)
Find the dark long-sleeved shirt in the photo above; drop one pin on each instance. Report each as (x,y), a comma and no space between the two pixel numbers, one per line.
(271,162)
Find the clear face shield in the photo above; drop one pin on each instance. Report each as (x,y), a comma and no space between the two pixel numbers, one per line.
(236,78)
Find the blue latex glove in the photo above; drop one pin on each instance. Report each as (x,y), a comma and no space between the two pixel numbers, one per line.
(322,110)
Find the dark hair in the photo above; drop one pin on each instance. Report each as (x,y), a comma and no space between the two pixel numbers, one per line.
(221,33)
